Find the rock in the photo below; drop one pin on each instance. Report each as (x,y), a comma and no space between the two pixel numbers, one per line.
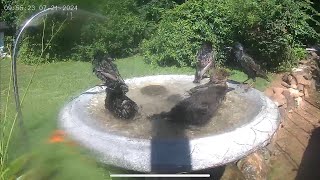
(290,100)
(312,85)
(232,172)
(300,87)
(294,86)
(314,67)
(306,93)
(308,76)
(285,78)
(266,154)
(279,100)
(313,55)
(269,92)
(293,82)
(304,62)
(298,102)
(277,91)
(278,97)
(302,80)
(254,167)
(290,79)
(285,84)
(299,69)
(295,93)
(302,104)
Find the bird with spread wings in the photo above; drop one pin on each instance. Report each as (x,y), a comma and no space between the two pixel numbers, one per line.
(116,100)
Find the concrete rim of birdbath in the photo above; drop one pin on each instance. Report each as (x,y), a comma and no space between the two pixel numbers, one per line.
(135,154)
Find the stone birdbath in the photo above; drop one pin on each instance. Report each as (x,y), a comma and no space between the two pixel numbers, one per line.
(245,122)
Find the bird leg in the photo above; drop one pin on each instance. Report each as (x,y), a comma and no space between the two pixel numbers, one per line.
(244,82)
(205,69)
(199,74)
(251,84)
(197,78)
(247,86)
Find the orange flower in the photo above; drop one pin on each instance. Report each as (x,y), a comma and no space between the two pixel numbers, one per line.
(58,136)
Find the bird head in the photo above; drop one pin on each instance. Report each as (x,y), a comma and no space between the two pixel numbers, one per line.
(238,47)
(220,76)
(238,51)
(117,88)
(102,56)
(124,88)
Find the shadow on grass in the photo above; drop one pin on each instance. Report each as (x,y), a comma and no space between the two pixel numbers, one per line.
(309,167)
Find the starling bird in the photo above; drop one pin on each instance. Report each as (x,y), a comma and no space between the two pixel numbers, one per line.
(218,77)
(250,67)
(203,103)
(116,101)
(205,61)
(106,70)
(119,104)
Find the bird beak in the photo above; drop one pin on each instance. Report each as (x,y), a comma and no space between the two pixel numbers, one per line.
(228,48)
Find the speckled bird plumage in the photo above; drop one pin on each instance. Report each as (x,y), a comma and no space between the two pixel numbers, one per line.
(249,66)
(203,102)
(116,101)
(205,57)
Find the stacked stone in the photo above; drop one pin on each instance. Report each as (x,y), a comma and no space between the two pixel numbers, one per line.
(297,84)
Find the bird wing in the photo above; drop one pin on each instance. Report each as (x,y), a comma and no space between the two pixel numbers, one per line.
(251,64)
(255,67)
(106,70)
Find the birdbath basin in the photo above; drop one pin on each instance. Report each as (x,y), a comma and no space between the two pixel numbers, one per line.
(245,122)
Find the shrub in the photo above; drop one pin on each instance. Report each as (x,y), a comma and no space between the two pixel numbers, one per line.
(273,31)
(118,36)
(181,32)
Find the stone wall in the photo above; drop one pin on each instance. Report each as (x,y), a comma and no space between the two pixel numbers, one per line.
(298,84)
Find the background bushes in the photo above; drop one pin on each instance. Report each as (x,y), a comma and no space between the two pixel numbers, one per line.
(273,31)
(170,32)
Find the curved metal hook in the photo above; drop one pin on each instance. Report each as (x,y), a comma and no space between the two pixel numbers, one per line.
(14,63)
(16,48)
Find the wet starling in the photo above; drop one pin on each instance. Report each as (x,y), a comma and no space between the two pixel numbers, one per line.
(219,76)
(205,61)
(203,103)
(106,70)
(116,101)
(119,104)
(250,67)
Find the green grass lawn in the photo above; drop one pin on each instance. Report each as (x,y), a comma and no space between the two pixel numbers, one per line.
(54,85)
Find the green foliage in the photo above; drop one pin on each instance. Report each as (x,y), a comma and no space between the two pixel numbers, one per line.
(152,11)
(172,31)
(37,45)
(125,25)
(272,31)
(128,23)
(118,36)
(179,35)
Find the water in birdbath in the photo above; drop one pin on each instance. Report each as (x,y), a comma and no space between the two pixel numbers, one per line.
(161,97)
